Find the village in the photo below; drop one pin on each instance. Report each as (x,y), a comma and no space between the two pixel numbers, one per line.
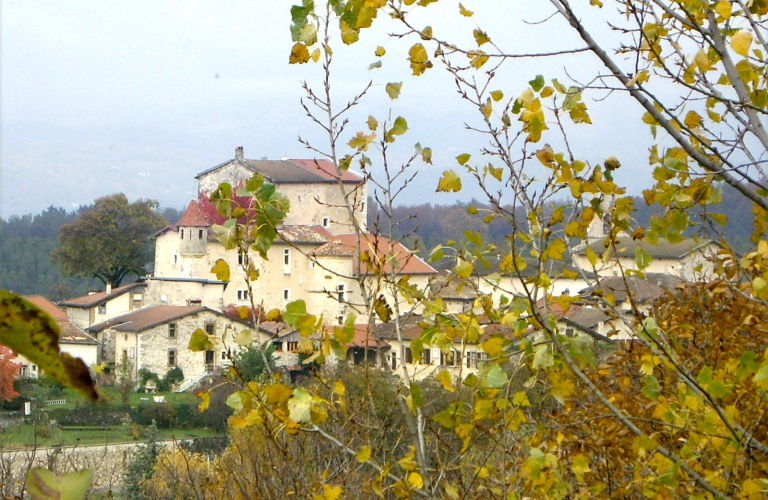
(147,325)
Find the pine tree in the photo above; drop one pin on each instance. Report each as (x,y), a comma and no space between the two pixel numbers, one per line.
(140,468)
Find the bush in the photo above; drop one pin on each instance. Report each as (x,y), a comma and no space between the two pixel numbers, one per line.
(174,376)
(90,415)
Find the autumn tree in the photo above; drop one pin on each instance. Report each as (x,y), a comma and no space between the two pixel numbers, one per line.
(9,371)
(676,409)
(110,241)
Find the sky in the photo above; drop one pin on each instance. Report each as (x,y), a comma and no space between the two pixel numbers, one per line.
(138,97)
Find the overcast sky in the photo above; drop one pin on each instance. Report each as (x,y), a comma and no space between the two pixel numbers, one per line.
(138,97)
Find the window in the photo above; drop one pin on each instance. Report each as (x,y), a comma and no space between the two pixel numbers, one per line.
(340,319)
(449,358)
(473,358)
(182,234)
(287,294)
(175,258)
(125,337)
(210,328)
(340,292)
(223,355)
(171,357)
(326,222)
(125,355)
(287,257)
(242,259)
(569,332)
(103,309)
(426,356)
(200,234)
(242,295)
(172,330)
(291,346)
(408,355)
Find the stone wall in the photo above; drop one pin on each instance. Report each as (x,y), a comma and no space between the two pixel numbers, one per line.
(107,461)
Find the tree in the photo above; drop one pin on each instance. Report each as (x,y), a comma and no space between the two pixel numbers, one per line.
(139,470)
(9,371)
(109,241)
(677,411)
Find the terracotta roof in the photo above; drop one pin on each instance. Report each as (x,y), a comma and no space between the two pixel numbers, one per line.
(143,319)
(193,217)
(69,333)
(401,261)
(364,338)
(98,298)
(47,306)
(625,247)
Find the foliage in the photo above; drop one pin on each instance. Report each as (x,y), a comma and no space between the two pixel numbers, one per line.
(124,382)
(179,474)
(9,370)
(140,467)
(174,376)
(145,375)
(109,241)
(250,363)
(33,334)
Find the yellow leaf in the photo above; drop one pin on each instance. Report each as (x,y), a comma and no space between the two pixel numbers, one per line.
(415,480)
(741,42)
(316,55)
(205,400)
(373,124)
(199,341)
(464,12)
(497,95)
(692,120)
(446,380)
(43,484)
(221,270)
(487,108)
(299,54)
(480,37)
(361,141)
(363,455)
(331,492)
(723,8)
(32,333)
(463,158)
(702,61)
(380,51)
(449,182)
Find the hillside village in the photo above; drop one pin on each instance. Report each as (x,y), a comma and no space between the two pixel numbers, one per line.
(317,258)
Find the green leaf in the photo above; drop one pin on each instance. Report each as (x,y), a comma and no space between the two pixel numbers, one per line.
(294,311)
(199,341)
(464,269)
(537,83)
(299,405)
(399,127)
(493,376)
(651,388)
(43,484)
(642,258)
(417,399)
(32,333)
(393,90)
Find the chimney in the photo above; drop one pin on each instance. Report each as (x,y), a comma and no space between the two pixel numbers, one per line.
(239,153)
(109,288)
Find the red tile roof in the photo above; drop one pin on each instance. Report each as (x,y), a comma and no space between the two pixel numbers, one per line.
(143,319)
(393,257)
(98,298)
(69,333)
(193,217)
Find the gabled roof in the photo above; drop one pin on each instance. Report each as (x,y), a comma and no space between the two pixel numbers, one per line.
(626,245)
(193,217)
(647,289)
(400,261)
(310,171)
(69,333)
(99,298)
(304,234)
(144,319)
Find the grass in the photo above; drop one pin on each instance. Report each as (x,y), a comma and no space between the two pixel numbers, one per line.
(24,436)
